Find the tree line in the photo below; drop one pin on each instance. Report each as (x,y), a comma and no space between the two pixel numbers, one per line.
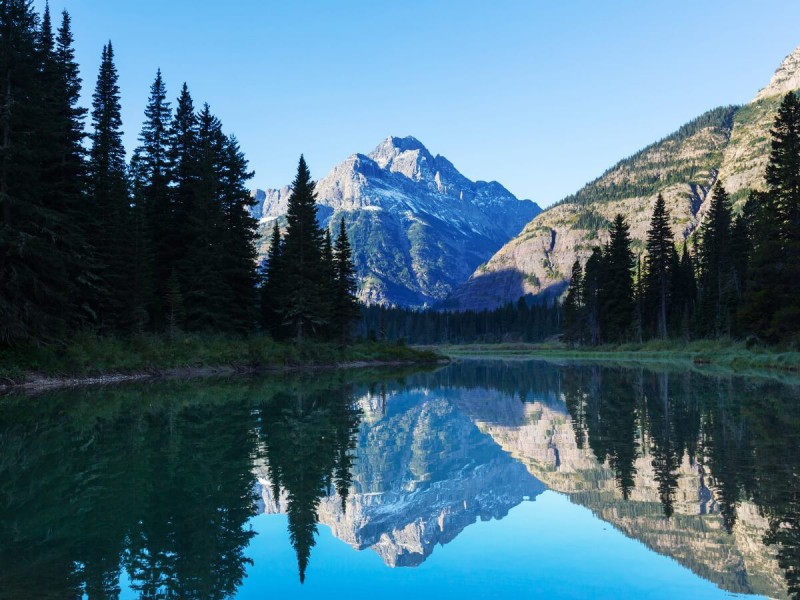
(525,321)
(162,243)
(737,276)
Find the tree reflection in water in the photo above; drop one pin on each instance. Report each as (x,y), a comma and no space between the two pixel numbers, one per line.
(155,484)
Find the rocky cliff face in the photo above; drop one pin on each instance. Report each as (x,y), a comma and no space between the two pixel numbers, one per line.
(418,227)
(731,144)
(785,79)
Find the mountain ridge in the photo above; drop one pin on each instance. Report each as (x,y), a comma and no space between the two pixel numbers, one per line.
(729,143)
(417,225)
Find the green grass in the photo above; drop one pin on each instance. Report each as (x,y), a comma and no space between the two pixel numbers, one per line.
(724,353)
(92,356)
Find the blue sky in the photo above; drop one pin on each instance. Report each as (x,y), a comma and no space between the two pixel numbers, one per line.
(541,96)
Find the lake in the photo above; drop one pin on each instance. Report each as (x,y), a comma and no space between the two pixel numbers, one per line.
(481,479)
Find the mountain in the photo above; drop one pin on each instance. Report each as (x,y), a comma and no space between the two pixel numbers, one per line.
(418,227)
(728,143)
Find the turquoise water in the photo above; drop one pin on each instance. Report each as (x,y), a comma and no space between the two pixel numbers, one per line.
(484,479)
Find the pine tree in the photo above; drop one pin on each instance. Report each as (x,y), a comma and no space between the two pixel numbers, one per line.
(716,286)
(772,308)
(239,242)
(766,268)
(272,286)
(328,284)
(616,298)
(70,176)
(182,154)
(347,309)
(182,158)
(155,231)
(57,147)
(658,273)
(303,309)
(34,280)
(203,286)
(109,227)
(573,306)
(594,274)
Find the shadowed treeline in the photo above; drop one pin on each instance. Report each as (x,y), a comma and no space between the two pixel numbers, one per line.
(157,482)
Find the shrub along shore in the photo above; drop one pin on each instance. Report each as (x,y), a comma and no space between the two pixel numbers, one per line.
(92,359)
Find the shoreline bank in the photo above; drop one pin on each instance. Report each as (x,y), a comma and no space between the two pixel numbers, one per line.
(98,361)
(730,355)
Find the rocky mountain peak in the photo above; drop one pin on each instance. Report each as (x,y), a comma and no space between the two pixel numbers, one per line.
(785,79)
(406,155)
(418,226)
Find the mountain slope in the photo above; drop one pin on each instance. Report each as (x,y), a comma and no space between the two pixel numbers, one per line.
(730,143)
(418,227)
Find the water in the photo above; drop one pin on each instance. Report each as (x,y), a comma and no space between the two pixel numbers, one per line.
(484,479)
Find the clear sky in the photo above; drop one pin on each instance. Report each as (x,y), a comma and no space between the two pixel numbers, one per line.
(540,96)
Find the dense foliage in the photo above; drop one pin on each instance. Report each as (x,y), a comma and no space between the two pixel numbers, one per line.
(743,278)
(521,322)
(653,161)
(163,244)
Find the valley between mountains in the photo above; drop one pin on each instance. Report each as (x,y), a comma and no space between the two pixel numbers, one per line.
(425,235)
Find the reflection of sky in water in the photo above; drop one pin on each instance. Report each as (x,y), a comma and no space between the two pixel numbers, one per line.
(545,548)
(433,473)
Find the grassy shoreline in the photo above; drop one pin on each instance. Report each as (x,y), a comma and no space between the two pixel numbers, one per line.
(722,353)
(90,359)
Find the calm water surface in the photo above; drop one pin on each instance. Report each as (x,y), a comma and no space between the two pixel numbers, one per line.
(484,479)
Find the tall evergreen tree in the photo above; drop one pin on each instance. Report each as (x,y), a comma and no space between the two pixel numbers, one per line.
(69,174)
(238,251)
(303,309)
(182,158)
(616,296)
(765,268)
(772,308)
(660,248)
(742,246)
(58,150)
(155,231)
(109,226)
(36,282)
(272,285)
(346,309)
(204,288)
(327,282)
(716,286)
(573,306)
(682,293)
(592,282)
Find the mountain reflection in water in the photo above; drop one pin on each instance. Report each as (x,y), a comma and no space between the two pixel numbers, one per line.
(153,488)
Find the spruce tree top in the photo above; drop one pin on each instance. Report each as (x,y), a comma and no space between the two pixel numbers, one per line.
(302,228)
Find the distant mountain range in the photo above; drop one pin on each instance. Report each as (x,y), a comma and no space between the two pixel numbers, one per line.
(728,143)
(425,235)
(418,227)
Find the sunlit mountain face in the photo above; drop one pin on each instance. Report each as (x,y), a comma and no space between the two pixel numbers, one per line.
(483,475)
